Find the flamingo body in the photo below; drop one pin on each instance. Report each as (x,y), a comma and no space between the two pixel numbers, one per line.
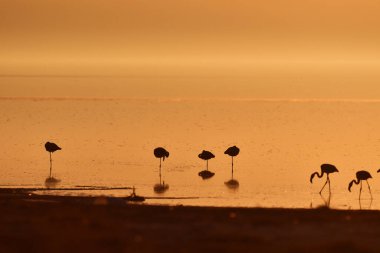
(51,147)
(161,153)
(232,151)
(206,155)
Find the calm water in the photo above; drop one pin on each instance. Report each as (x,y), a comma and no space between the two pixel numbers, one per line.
(110,142)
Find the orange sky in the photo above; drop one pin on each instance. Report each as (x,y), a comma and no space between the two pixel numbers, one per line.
(197,37)
(188,30)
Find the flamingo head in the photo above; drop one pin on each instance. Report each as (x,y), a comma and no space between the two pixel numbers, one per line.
(350,185)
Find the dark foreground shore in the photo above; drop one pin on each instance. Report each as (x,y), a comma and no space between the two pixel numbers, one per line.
(30,223)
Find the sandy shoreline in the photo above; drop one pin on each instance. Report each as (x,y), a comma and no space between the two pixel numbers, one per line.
(33,223)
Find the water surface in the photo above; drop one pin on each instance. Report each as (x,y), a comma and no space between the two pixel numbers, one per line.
(110,142)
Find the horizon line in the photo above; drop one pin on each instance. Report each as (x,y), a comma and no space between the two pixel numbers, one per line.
(136,76)
(185,99)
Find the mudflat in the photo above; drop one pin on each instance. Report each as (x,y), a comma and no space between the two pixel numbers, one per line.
(35,223)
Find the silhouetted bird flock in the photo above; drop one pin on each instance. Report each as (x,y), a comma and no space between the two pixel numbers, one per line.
(160,153)
(233,151)
(327,169)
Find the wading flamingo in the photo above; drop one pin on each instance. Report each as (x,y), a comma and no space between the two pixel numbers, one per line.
(361,176)
(325,168)
(162,154)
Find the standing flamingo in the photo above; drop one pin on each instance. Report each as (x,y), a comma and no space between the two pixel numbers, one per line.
(232,151)
(360,176)
(162,154)
(206,155)
(51,148)
(325,168)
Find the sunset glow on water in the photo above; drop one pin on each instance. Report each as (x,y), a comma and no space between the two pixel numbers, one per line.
(110,142)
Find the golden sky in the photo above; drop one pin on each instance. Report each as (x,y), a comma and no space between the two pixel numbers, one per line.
(172,30)
(188,37)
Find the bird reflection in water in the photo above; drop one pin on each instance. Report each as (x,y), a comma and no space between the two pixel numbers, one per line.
(326,201)
(365,204)
(160,153)
(50,181)
(324,204)
(232,183)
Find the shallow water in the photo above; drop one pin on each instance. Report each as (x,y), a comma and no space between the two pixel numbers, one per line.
(110,142)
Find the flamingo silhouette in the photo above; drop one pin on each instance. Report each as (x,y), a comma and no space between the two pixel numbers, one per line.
(206,155)
(51,148)
(232,151)
(360,177)
(325,168)
(162,154)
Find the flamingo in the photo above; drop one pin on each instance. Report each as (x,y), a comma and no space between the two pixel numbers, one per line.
(232,151)
(360,176)
(162,154)
(206,155)
(51,148)
(325,168)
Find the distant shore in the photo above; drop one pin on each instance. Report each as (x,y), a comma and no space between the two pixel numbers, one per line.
(38,223)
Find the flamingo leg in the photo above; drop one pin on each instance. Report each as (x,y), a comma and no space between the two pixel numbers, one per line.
(369,188)
(160,170)
(329,200)
(323,186)
(232,170)
(361,186)
(51,164)
(328,179)
(206,164)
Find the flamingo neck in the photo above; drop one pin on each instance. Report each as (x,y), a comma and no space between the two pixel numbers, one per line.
(318,175)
